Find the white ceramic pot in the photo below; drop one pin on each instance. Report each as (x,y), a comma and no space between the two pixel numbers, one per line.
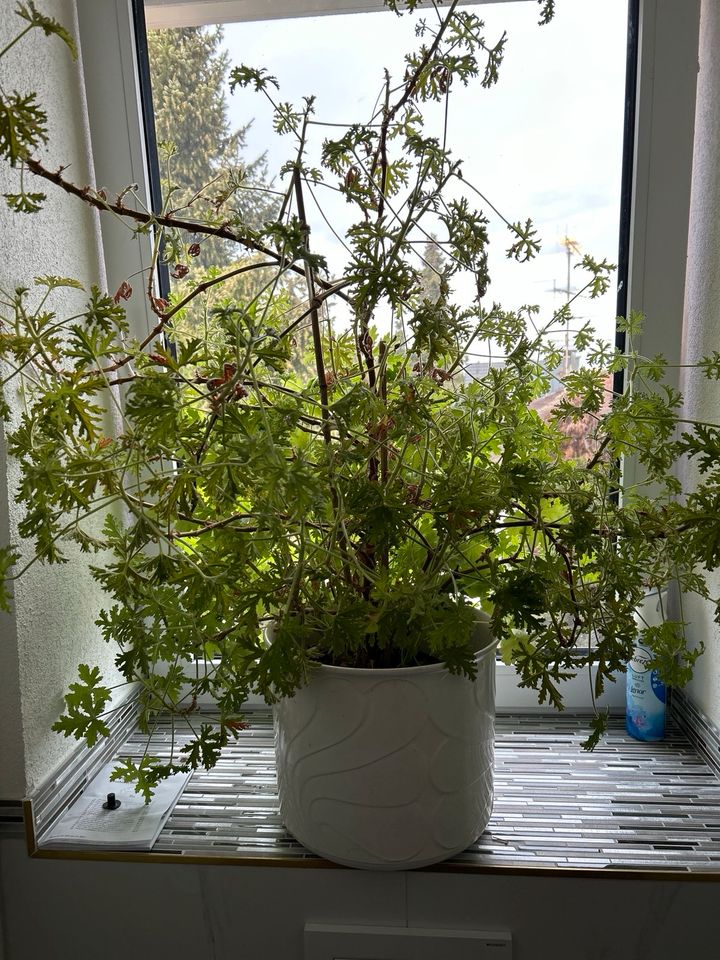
(389,769)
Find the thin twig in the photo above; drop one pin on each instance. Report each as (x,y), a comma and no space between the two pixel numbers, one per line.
(314,315)
(88,196)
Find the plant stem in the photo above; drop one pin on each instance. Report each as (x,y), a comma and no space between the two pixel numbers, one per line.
(87,195)
(382,376)
(314,315)
(206,285)
(409,87)
(15,40)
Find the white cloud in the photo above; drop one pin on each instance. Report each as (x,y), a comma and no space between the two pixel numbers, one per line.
(545,143)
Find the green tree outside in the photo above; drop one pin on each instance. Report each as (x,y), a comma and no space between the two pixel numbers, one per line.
(189,72)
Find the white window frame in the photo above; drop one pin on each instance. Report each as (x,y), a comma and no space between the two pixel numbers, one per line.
(662,171)
(197,13)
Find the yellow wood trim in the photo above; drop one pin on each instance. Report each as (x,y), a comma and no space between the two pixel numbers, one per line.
(29,821)
(317,863)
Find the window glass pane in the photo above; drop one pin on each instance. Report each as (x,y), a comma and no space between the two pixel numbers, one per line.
(545,143)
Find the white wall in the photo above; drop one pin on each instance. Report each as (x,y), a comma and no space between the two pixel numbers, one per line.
(53,627)
(68,909)
(701,335)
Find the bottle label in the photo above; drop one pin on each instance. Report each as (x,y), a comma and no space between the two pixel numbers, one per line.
(645,715)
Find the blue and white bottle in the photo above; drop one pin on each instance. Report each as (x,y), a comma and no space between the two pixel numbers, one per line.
(646,694)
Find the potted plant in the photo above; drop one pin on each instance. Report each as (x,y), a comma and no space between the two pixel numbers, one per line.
(338,536)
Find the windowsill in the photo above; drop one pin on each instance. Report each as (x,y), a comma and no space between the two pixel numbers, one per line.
(509,695)
(628,808)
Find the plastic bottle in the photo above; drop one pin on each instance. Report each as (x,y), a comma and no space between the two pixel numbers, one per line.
(645,697)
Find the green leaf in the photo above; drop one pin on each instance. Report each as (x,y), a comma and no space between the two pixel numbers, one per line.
(52,282)
(397,5)
(286,118)
(632,324)
(510,645)
(599,725)
(670,654)
(28,11)
(204,750)
(244,76)
(154,407)
(85,703)
(710,365)
(145,773)
(25,202)
(600,272)
(8,558)
(102,311)
(547,12)
(526,244)
(652,369)
(23,126)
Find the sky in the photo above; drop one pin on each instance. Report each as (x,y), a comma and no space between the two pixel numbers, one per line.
(544,143)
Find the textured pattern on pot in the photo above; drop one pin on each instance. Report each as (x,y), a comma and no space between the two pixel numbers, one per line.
(388,769)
